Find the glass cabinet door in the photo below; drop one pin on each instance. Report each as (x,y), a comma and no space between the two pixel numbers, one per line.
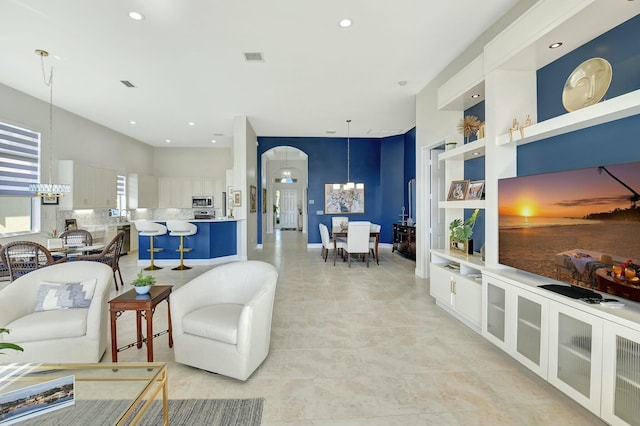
(621,376)
(575,355)
(532,332)
(496,304)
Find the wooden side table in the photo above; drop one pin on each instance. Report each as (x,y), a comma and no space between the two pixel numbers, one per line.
(144,305)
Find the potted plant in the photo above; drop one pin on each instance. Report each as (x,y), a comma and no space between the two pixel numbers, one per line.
(461,232)
(7,345)
(143,283)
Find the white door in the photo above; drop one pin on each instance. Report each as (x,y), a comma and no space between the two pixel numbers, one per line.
(438,227)
(289,208)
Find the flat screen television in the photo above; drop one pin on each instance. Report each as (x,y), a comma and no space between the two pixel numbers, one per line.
(568,225)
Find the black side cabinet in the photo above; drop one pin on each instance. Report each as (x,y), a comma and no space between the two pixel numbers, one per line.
(404,240)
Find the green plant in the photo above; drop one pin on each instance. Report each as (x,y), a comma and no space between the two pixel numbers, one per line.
(463,230)
(143,280)
(7,345)
(53,233)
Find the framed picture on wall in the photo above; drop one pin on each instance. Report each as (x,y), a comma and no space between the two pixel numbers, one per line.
(337,199)
(253,199)
(264,200)
(458,190)
(237,198)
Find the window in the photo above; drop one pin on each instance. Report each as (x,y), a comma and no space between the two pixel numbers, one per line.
(19,167)
(121,203)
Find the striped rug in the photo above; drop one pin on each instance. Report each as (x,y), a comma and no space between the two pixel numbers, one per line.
(192,412)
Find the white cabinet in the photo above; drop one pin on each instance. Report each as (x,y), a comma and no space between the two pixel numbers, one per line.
(142,191)
(202,186)
(455,283)
(620,375)
(516,320)
(174,192)
(91,187)
(575,354)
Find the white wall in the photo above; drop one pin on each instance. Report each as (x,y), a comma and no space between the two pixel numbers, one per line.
(186,162)
(434,126)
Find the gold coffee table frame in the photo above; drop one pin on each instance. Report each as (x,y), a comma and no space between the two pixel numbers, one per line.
(156,381)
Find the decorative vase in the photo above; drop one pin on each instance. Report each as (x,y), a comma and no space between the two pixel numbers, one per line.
(142,289)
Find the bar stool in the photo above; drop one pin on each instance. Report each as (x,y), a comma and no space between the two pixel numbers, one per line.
(146,228)
(181,228)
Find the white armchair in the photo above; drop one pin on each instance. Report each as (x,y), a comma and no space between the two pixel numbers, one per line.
(222,318)
(57,314)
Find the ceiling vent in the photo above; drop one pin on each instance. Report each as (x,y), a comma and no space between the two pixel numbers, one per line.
(128,83)
(253,56)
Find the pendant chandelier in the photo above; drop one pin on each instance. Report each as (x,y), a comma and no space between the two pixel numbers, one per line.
(348,185)
(285,172)
(49,190)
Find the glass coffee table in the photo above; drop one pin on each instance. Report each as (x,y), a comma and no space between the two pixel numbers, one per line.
(108,393)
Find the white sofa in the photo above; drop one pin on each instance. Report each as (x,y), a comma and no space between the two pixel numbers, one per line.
(222,318)
(47,323)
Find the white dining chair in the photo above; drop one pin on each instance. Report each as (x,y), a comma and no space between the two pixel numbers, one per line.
(358,240)
(326,241)
(373,241)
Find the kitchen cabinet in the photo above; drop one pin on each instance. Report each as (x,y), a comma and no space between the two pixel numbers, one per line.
(142,191)
(455,283)
(174,192)
(91,187)
(202,186)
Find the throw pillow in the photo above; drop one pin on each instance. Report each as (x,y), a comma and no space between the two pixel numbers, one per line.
(65,295)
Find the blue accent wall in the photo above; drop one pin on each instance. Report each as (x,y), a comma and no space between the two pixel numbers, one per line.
(619,46)
(382,164)
(475,170)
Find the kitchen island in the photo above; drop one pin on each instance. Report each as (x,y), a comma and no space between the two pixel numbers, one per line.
(214,243)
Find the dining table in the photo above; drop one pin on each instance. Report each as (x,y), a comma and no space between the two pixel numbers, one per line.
(339,232)
(73,250)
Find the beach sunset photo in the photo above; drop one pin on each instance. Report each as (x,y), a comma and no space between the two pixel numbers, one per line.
(544,219)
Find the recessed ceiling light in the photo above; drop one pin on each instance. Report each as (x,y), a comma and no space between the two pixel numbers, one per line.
(136,16)
(345,23)
(331,132)
(476,153)
(213,141)
(402,82)
(191,123)
(132,122)
(168,140)
(475,95)
(555,45)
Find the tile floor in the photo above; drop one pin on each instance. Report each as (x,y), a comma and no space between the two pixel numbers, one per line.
(364,346)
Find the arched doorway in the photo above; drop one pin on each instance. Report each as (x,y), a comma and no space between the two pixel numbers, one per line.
(285,179)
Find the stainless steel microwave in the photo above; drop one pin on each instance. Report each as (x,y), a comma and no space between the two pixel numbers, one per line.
(201,201)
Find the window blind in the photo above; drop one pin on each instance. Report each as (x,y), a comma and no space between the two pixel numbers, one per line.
(122,182)
(19,160)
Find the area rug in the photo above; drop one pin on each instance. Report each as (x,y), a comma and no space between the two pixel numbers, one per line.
(192,412)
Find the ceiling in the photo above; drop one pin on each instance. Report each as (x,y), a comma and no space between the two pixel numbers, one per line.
(186,60)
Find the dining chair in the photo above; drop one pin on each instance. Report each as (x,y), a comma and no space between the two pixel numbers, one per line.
(76,237)
(373,241)
(110,255)
(358,240)
(326,241)
(4,272)
(22,257)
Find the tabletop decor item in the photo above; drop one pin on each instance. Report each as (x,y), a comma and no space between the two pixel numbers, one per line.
(461,232)
(143,283)
(458,190)
(468,126)
(587,84)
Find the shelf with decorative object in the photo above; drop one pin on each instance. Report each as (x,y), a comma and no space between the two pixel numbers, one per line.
(467,151)
(604,112)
